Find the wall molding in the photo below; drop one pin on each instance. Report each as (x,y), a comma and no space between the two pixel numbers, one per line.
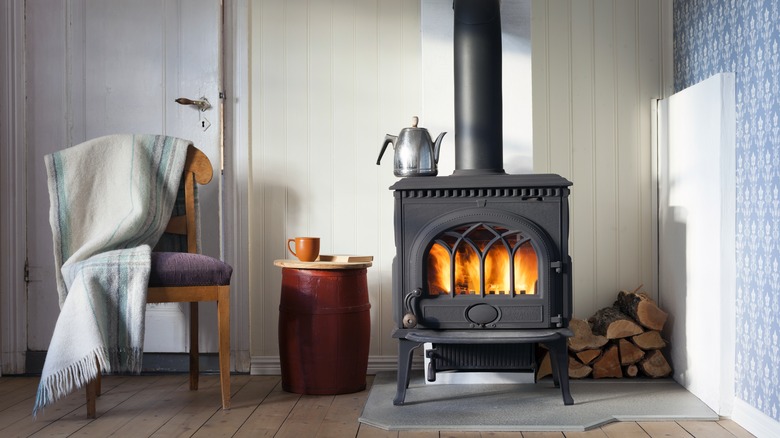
(755,421)
(235,62)
(13,305)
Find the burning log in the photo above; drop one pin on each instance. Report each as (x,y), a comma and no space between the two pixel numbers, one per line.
(642,308)
(613,324)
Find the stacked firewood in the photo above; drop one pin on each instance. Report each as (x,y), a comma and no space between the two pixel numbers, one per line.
(619,341)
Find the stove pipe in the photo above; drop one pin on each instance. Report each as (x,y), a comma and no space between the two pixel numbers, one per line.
(478,101)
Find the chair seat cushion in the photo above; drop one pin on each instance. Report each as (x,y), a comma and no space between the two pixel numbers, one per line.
(187,269)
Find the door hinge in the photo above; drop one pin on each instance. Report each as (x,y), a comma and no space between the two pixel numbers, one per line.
(26,270)
(557,266)
(221,94)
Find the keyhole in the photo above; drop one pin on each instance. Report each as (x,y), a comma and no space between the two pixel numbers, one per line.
(202,124)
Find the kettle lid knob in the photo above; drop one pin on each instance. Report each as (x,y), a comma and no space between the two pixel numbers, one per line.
(415,121)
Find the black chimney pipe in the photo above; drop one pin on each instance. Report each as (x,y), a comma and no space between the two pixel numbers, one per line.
(478,95)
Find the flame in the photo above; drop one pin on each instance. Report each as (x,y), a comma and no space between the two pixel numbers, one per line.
(526,269)
(438,270)
(466,271)
(497,270)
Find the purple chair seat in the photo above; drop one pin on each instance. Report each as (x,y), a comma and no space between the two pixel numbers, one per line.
(187,269)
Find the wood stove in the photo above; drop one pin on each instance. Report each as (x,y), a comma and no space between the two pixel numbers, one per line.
(482,252)
(482,269)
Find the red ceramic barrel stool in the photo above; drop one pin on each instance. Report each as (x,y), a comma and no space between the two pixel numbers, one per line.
(324,329)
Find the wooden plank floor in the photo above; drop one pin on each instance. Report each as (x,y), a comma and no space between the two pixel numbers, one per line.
(163,406)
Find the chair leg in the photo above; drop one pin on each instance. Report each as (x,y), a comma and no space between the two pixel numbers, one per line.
(98,379)
(92,393)
(223,321)
(194,353)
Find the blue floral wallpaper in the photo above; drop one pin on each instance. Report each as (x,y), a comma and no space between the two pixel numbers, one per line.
(743,36)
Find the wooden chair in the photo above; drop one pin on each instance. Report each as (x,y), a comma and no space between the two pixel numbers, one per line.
(180,277)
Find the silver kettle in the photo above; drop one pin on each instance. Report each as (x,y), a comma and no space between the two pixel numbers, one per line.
(415,153)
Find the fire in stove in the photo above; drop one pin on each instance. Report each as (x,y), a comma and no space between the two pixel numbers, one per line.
(482,266)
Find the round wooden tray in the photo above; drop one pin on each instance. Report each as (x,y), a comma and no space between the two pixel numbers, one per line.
(287,263)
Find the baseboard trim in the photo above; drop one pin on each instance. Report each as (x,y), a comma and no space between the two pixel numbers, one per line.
(270,366)
(754,421)
(264,366)
(151,363)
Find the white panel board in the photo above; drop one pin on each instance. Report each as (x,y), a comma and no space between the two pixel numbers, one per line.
(697,264)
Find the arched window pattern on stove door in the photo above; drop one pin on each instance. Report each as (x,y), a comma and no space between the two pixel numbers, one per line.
(482,259)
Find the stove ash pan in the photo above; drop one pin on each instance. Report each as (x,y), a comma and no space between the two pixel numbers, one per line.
(482,252)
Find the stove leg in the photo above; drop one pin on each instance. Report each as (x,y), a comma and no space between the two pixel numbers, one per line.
(405,349)
(560,366)
(554,365)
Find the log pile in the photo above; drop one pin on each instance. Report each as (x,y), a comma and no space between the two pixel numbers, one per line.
(619,341)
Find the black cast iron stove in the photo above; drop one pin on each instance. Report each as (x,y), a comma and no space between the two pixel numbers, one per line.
(482,269)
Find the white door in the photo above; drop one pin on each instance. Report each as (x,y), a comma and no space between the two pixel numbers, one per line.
(98,67)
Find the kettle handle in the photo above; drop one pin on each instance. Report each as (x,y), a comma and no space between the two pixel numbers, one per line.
(388,139)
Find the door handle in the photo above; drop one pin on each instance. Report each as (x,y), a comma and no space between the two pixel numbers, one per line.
(203,104)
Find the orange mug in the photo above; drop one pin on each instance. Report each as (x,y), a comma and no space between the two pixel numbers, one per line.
(306,248)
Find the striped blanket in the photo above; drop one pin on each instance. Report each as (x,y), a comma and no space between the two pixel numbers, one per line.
(111,199)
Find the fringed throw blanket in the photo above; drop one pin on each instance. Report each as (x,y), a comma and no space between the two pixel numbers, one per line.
(111,199)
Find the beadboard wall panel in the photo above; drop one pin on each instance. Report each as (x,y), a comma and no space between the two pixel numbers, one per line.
(327,80)
(596,67)
(583,217)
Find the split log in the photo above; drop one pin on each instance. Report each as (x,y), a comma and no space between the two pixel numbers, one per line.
(608,365)
(583,338)
(650,340)
(545,367)
(577,370)
(629,353)
(642,308)
(587,356)
(631,370)
(655,365)
(613,324)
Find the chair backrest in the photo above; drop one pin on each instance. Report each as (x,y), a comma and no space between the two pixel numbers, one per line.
(197,169)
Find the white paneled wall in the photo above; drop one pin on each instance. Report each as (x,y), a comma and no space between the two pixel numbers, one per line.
(329,79)
(596,66)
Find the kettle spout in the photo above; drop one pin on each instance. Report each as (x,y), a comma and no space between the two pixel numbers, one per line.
(436,146)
